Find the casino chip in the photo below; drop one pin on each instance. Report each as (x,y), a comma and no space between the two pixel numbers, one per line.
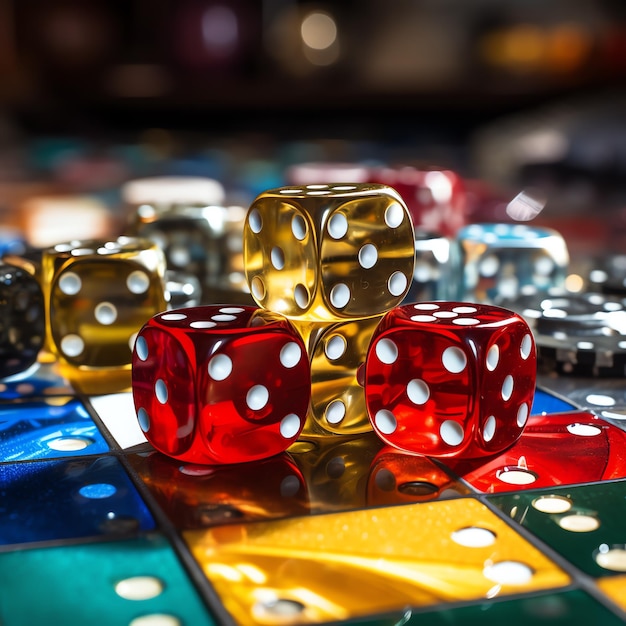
(578,334)
(609,274)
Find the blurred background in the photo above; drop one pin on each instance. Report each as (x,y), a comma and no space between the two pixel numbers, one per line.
(511,94)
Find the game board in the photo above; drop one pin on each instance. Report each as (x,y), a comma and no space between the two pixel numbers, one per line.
(98,528)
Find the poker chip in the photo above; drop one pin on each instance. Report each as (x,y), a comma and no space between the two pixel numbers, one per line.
(580,334)
(608,274)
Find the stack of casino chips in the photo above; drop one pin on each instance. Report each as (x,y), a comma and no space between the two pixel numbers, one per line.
(582,334)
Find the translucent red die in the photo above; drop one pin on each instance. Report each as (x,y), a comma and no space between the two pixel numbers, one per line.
(450,379)
(220,384)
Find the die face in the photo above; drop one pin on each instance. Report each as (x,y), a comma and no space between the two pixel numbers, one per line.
(337,359)
(329,252)
(280,255)
(22,320)
(216,384)
(258,408)
(164,390)
(99,295)
(450,379)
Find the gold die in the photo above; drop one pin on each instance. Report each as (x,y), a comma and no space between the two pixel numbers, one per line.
(98,295)
(326,253)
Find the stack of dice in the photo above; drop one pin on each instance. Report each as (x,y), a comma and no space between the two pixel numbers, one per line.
(331,350)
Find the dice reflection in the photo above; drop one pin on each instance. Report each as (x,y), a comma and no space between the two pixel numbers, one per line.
(559,449)
(199,496)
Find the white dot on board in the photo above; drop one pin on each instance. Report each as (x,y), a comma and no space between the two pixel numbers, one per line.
(139,588)
(318,192)
(301,296)
(290,426)
(423,318)
(516,476)
(386,351)
(255,221)
(105,313)
(600,399)
(335,347)
(298,227)
(426,306)
(276,610)
(466,321)
(507,387)
(220,367)
(493,357)
(173,317)
(144,419)
(340,295)
(584,430)
(69,444)
(368,256)
(417,391)
(522,415)
(257,288)
(72,345)
(138,282)
(579,523)
(70,283)
(451,432)
(160,391)
(290,354)
(277,257)
(394,215)
(337,226)
(257,397)
(612,558)
(526,346)
(397,284)
(454,359)
(489,429)
(141,347)
(200,324)
(155,619)
(473,537)
(335,412)
(552,504)
(385,421)
(508,573)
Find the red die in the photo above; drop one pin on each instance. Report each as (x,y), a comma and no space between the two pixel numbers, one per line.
(435,197)
(220,384)
(450,378)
